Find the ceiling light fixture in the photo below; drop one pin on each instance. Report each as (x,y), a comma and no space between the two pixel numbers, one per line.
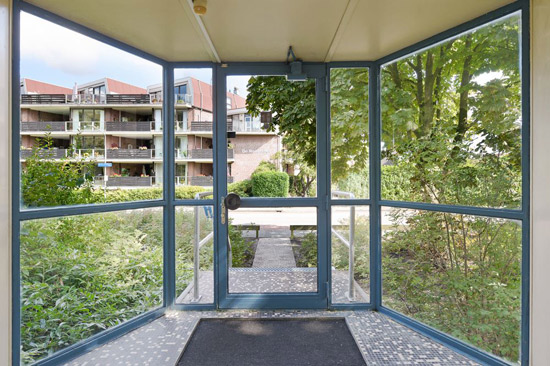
(199,7)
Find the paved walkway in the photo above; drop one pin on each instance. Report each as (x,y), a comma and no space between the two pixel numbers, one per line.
(274,253)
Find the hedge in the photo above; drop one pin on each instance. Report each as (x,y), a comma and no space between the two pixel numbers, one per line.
(142,194)
(242,188)
(270,184)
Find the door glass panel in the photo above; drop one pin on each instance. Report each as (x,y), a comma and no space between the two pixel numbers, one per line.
(273,152)
(273,250)
(194,255)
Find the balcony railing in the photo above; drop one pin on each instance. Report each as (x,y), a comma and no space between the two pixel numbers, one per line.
(204,181)
(54,153)
(92,99)
(136,126)
(182,99)
(124,181)
(204,154)
(60,153)
(53,126)
(129,154)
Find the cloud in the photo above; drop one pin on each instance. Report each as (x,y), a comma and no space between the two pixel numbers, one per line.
(73,53)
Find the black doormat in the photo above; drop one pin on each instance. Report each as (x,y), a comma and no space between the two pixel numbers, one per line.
(270,342)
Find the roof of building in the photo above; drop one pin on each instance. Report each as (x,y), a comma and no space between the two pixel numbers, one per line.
(236,101)
(206,101)
(119,87)
(39,87)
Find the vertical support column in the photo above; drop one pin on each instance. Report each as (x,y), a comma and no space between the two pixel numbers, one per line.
(374,193)
(14,192)
(526,179)
(323,190)
(169,274)
(220,184)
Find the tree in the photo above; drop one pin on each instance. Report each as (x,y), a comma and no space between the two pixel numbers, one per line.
(46,181)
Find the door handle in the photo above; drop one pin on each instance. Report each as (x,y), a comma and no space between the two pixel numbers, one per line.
(232,202)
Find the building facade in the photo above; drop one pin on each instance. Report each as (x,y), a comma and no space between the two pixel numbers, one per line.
(120,126)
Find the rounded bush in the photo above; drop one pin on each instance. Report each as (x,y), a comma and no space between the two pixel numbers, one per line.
(270,184)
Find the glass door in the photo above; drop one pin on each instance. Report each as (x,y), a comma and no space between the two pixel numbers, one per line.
(273,221)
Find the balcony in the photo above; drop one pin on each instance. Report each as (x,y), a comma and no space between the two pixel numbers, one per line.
(51,126)
(93,99)
(136,126)
(54,153)
(204,181)
(137,154)
(124,181)
(202,154)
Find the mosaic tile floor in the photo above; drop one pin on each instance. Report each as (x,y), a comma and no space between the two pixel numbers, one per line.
(255,280)
(381,340)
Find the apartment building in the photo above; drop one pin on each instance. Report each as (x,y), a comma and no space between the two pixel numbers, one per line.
(120,126)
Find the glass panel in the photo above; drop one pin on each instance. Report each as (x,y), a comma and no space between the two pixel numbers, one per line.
(460,274)
(86,137)
(194,255)
(194,140)
(273,250)
(349,131)
(274,152)
(84,274)
(451,121)
(350,244)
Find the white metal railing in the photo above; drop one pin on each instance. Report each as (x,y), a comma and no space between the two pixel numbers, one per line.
(87,126)
(197,244)
(182,99)
(348,242)
(89,153)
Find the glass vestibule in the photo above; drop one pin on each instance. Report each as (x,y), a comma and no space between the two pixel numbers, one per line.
(403,215)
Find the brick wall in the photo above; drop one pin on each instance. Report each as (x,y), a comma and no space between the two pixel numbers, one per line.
(249,152)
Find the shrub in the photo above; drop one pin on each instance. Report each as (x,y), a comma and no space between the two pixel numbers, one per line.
(142,194)
(242,188)
(265,166)
(270,184)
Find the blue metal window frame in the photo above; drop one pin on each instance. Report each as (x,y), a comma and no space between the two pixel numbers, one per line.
(169,203)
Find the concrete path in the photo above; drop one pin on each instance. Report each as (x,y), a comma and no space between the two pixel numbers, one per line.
(274,253)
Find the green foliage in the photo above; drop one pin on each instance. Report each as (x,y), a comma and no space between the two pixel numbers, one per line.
(265,166)
(241,249)
(46,181)
(270,184)
(142,194)
(307,251)
(242,188)
(454,139)
(349,111)
(84,274)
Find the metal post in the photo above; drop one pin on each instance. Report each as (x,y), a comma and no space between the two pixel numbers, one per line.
(351,293)
(196,296)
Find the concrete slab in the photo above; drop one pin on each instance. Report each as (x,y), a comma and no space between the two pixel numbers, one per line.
(274,253)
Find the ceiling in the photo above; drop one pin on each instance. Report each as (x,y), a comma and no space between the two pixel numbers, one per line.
(262,30)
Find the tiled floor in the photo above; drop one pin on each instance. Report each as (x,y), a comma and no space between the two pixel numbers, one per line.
(381,340)
(272,280)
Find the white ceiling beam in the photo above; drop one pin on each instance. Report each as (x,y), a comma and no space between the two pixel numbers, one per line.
(346,16)
(198,24)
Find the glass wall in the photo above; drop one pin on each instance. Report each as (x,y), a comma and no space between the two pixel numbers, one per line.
(83,274)
(451,134)
(451,121)
(90,127)
(194,255)
(350,254)
(349,131)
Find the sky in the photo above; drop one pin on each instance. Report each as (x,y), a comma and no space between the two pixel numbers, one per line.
(60,56)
